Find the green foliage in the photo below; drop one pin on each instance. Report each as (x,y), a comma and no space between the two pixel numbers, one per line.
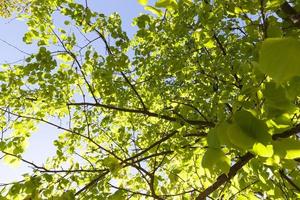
(252,126)
(203,100)
(10,7)
(278,58)
(288,148)
(215,158)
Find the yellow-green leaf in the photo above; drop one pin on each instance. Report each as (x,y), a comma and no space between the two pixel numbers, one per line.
(263,150)
(143,2)
(216,159)
(169,4)
(210,44)
(279,58)
(239,138)
(287,148)
(154,10)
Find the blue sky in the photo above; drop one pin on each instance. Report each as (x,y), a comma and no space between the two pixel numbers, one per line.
(40,145)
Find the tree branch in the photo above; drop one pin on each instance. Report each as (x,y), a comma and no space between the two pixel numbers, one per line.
(287,133)
(283,175)
(152,146)
(90,88)
(223,178)
(65,129)
(145,112)
(134,90)
(264,19)
(92,183)
(163,153)
(292,15)
(45,170)
(220,44)
(122,73)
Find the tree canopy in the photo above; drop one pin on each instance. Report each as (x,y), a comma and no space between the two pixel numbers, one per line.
(202,102)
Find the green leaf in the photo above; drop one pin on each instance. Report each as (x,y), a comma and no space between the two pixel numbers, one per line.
(48,177)
(15,189)
(276,96)
(273,4)
(12,161)
(253,127)
(239,138)
(213,139)
(2,145)
(277,102)
(112,163)
(221,130)
(210,44)
(293,89)
(208,160)
(216,159)
(66,22)
(279,58)
(287,148)
(263,150)
(169,4)
(238,10)
(143,2)
(68,195)
(119,194)
(274,31)
(154,10)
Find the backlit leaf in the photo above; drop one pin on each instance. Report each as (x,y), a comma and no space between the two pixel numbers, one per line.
(154,10)
(143,2)
(216,159)
(170,4)
(287,148)
(262,150)
(278,58)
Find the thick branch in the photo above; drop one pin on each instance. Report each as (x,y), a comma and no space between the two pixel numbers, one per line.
(287,133)
(223,178)
(199,134)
